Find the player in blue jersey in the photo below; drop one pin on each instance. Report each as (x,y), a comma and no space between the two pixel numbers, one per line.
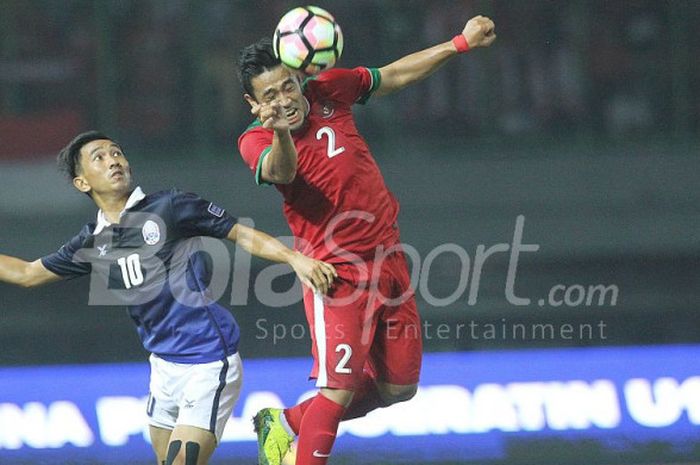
(152,253)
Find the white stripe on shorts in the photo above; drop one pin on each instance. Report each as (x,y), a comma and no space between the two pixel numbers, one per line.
(320,335)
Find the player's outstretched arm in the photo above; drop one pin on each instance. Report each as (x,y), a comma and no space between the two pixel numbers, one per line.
(313,273)
(478,32)
(26,274)
(280,165)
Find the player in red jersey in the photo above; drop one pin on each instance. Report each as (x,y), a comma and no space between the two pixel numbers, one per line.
(304,141)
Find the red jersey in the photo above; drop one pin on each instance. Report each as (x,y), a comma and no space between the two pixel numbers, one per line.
(338,202)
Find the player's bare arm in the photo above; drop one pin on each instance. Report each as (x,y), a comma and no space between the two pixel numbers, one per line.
(478,32)
(280,165)
(315,274)
(23,273)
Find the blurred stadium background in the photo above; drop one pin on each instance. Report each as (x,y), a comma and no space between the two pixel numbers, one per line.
(584,118)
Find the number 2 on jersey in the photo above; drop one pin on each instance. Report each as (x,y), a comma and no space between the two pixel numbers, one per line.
(331,151)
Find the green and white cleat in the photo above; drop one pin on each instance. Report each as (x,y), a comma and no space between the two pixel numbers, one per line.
(273,440)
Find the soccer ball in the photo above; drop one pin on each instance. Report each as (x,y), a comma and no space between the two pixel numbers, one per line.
(308,38)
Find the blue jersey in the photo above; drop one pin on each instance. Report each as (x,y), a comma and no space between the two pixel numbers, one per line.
(158,261)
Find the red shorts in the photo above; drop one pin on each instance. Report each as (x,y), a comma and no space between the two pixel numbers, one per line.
(368,322)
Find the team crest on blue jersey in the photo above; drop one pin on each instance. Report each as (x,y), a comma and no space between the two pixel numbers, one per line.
(215,210)
(151,232)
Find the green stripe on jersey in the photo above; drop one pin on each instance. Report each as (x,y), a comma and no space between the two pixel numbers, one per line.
(256,123)
(306,81)
(376,82)
(258,170)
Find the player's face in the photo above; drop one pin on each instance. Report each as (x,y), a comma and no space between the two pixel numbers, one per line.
(103,168)
(282,85)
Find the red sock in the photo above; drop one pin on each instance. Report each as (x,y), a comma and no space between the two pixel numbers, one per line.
(296,413)
(319,426)
(365,400)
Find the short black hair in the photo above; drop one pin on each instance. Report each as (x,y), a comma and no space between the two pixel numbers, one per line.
(255,59)
(69,157)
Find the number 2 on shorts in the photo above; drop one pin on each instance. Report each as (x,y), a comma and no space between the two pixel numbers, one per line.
(347,353)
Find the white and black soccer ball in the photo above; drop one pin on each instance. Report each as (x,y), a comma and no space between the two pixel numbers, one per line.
(307,38)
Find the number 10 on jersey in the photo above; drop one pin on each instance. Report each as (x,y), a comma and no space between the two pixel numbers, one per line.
(131,270)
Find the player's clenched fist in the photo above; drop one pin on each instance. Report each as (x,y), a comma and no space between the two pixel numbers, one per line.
(271,115)
(479,32)
(315,274)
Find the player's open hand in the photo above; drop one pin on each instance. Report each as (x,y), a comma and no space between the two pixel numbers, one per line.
(479,32)
(271,115)
(315,274)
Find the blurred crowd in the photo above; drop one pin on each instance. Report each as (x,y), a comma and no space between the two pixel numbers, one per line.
(163,71)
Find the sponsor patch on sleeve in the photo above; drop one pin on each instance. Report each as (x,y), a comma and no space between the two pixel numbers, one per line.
(216,210)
